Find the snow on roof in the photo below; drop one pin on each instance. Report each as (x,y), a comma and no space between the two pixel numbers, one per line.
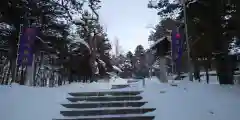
(117,68)
(158,41)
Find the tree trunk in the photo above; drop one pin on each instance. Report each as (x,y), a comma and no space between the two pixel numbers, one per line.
(224,69)
(4,74)
(220,41)
(22,78)
(8,75)
(196,70)
(34,71)
(70,78)
(93,55)
(207,66)
(13,56)
(207,74)
(51,80)
(60,80)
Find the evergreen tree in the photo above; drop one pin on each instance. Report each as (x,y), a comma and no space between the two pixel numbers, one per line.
(211,25)
(54,22)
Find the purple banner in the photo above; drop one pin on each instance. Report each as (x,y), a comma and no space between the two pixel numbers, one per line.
(180,51)
(25,50)
(177,48)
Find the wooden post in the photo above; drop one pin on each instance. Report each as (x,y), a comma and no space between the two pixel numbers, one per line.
(30,73)
(163,71)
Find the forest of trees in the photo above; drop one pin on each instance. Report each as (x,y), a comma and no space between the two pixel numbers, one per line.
(212,26)
(70,38)
(73,42)
(134,64)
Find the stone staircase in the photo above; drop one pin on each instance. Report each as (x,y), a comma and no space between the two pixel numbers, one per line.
(109,105)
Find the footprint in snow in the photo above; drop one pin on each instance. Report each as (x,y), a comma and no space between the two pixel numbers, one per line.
(211,112)
(162,91)
(174,84)
(185,89)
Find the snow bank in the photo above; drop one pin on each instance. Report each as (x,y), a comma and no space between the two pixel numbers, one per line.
(35,103)
(192,101)
(39,103)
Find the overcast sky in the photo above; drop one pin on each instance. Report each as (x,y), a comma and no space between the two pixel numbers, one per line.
(127,20)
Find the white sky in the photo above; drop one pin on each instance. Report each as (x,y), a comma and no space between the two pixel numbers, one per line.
(127,20)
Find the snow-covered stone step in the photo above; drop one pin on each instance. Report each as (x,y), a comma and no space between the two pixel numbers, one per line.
(120,86)
(105,98)
(106,111)
(105,104)
(103,93)
(133,81)
(111,117)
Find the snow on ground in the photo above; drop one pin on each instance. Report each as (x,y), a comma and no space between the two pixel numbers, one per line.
(28,103)
(183,101)
(118,81)
(193,101)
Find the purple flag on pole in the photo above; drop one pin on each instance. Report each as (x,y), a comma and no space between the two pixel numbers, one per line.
(177,48)
(25,52)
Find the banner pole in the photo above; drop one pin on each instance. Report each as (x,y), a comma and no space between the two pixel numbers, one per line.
(14,74)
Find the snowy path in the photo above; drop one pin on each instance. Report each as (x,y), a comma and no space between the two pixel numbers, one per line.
(186,101)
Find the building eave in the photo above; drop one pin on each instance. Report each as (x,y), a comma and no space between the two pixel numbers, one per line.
(158,41)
